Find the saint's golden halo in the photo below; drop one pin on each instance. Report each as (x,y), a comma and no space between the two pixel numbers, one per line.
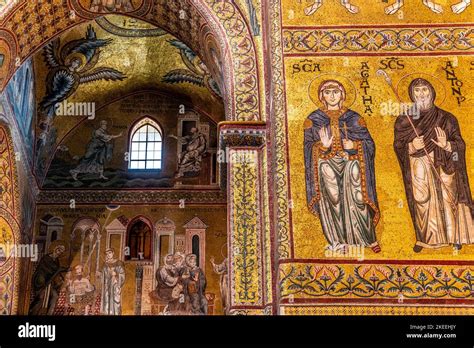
(351,91)
(79,56)
(404,83)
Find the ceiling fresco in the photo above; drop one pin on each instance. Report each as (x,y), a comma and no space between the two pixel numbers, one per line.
(108,60)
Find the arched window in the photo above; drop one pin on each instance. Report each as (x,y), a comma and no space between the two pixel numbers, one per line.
(146,145)
(139,241)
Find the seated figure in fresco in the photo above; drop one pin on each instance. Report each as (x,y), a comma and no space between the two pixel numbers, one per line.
(99,151)
(80,291)
(340,174)
(167,279)
(171,284)
(191,158)
(432,5)
(434,172)
(46,283)
(105,6)
(80,285)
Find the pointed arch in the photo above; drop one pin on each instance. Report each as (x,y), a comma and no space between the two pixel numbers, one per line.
(146,145)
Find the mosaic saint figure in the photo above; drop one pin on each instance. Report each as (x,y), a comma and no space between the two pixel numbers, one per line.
(191,158)
(221,270)
(434,172)
(80,292)
(99,151)
(340,174)
(45,282)
(167,279)
(113,279)
(196,286)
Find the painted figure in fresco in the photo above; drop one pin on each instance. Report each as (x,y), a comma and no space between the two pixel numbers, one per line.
(45,282)
(107,6)
(318,3)
(99,150)
(80,291)
(434,172)
(340,175)
(167,277)
(71,66)
(221,270)
(195,286)
(191,158)
(182,285)
(432,5)
(80,285)
(171,278)
(113,278)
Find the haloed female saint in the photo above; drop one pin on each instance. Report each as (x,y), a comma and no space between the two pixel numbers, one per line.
(340,181)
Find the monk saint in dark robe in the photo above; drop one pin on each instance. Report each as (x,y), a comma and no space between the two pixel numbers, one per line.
(436,186)
(340,175)
(44,283)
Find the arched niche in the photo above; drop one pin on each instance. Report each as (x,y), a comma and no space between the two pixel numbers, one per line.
(139,240)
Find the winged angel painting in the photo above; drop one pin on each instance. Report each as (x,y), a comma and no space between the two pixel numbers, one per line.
(197,72)
(73,65)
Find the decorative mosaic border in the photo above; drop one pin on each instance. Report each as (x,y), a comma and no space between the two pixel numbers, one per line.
(243,58)
(279,137)
(111,28)
(245,223)
(391,282)
(378,40)
(375,310)
(132,197)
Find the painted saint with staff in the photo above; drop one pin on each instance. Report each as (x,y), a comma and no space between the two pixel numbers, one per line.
(432,156)
(339,165)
